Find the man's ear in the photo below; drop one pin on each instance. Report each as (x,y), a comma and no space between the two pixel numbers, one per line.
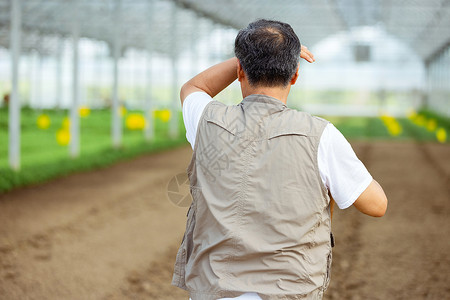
(240,71)
(295,77)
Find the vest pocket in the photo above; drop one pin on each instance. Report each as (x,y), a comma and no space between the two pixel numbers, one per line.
(231,128)
(280,133)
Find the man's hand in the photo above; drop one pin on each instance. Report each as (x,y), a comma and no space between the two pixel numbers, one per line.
(306,54)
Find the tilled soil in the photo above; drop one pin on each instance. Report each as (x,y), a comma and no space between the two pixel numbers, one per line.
(113,233)
(403,255)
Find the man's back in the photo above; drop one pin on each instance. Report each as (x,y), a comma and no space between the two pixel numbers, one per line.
(259,203)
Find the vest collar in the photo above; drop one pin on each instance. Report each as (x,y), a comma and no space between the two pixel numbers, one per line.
(251,99)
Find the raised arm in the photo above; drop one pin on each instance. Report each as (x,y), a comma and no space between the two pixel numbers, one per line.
(213,80)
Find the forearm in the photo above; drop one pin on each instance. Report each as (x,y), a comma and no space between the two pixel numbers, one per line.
(213,80)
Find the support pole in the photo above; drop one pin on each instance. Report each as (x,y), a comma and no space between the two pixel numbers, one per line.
(38,81)
(59,73)
(116,126)
(175,102)
(175,99)
(34,72)
(148,106)
(427,89)
(14,101)
(29,75)
(74,118)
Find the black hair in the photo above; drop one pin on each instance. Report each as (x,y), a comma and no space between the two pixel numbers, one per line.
(269,52)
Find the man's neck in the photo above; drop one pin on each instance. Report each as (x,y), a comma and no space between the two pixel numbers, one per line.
(280,93)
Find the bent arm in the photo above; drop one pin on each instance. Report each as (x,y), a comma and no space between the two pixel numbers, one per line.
(213,80)
(372,201)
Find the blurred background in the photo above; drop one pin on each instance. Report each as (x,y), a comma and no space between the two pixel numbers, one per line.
(79,77)
(85,84)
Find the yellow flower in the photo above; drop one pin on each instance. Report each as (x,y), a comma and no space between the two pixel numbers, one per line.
(63,136)
(431,125)
(84,111)
(420,120)
(392,125)
(165,115)
(395,128)
(43,121)
(135,121)
(441,135)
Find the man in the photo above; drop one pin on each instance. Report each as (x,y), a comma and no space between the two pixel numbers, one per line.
(261,177)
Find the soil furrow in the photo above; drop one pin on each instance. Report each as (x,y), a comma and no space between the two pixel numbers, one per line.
(113,233)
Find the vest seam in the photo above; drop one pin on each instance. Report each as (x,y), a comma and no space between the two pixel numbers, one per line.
(194,152)
(240,205)
(202,119)
(316,164)
(326,197)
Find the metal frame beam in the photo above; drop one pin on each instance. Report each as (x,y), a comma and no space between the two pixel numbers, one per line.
(74,146)
(204,13)
(116,126)
(14,101)
(175,103)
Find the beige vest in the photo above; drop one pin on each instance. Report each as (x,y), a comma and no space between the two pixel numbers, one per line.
(260,219)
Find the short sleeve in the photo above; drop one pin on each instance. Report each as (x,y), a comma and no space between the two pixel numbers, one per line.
(193,107)
(341,171)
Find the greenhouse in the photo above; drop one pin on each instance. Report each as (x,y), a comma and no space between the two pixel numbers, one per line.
(374,57)
(89,85)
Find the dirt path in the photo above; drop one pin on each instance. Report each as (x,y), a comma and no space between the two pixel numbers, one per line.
(113,233)
(87,235)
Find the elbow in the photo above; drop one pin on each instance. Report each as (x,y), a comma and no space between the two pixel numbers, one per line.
(183,92)
(381,209)
(372,202)
(379,202)
(189,88)
(379,214)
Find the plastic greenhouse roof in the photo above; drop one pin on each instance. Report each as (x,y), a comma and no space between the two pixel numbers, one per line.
(424,25)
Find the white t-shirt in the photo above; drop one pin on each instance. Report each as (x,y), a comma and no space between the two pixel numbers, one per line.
(341,171)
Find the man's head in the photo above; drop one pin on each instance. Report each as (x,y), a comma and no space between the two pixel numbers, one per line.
(269,52)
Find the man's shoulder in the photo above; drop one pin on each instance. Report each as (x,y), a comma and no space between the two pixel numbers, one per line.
(217,105)
(321,120)
(312,125)
(303,114)
(217,109)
